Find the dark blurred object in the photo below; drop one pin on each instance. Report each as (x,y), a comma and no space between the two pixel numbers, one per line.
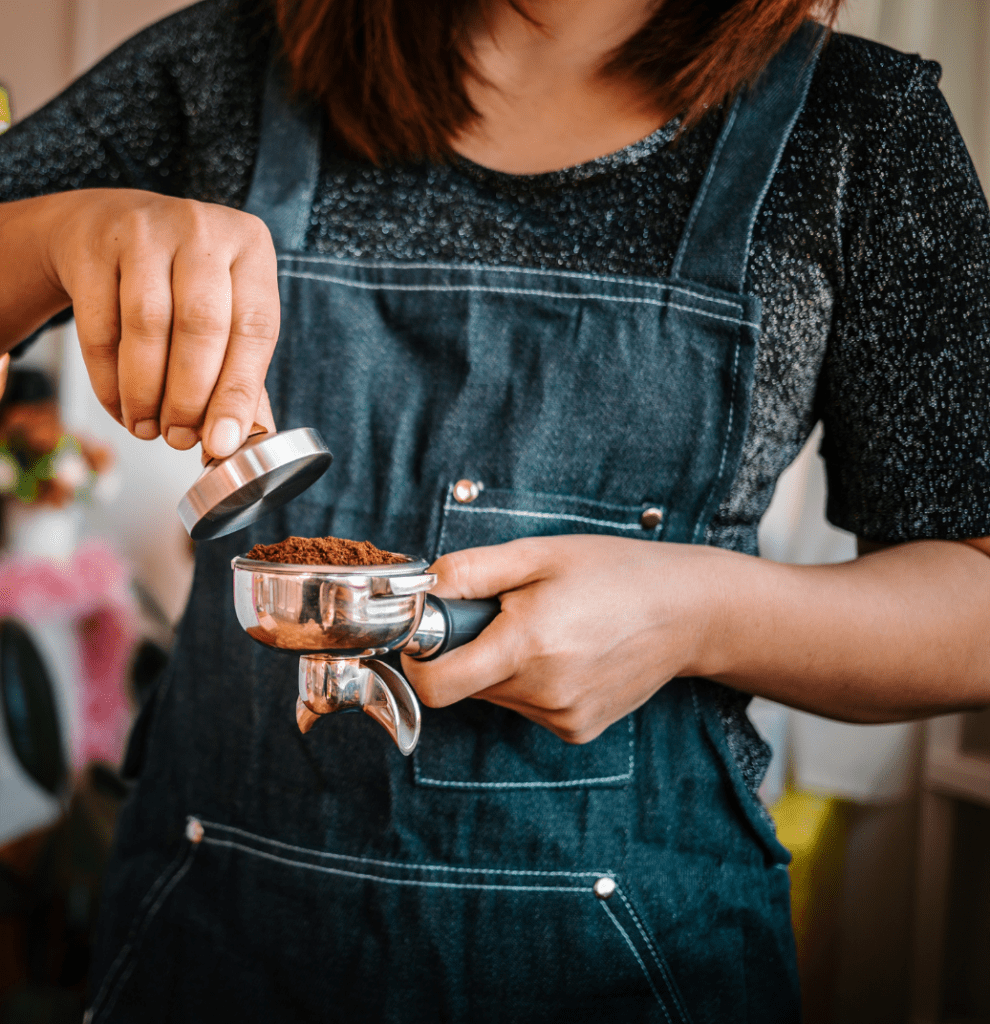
(150,661)
(31,717)
(49,894)
(49,879)
(27,386)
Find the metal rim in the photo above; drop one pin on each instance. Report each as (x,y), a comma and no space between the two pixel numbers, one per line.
(412,567)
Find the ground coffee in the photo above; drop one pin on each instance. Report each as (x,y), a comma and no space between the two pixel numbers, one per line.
(323,551)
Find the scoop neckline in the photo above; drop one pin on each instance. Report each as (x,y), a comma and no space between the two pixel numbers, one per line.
(634,152)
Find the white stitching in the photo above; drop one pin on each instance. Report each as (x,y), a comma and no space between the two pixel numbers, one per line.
(658,285)
(400,864)
(519,785)
(702,521)
(639,959)
(565,784)
(139,917)
(513,291)
(448,507)
(229,843)
(444,521)
(661,965)
(173,882)
(685,242)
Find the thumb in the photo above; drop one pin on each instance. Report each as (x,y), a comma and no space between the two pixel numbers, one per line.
(489,571)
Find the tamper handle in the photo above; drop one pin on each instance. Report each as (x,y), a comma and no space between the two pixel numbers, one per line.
(463,621)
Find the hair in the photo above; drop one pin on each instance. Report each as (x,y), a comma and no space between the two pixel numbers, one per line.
(391,73)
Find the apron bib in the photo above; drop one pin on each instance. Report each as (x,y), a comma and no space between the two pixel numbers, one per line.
(499,874)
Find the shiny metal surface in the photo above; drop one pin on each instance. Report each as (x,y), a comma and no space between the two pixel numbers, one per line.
(604,887)
(346,611)
(263,474)
(429,635)
(466,491)
(651,518)
(334,685)
(336,618)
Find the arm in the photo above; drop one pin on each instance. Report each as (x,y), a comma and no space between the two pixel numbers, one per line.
(175,300)
(592,627)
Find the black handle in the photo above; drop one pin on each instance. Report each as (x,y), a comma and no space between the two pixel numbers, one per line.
(464,620)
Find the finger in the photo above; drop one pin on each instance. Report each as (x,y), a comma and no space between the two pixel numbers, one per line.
(4,366)
(145,333)
(201,298)
(264,414)
(489,571)
(254,324)
(96,309)
(489,659)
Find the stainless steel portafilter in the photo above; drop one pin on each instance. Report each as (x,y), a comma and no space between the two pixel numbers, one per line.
(341,619)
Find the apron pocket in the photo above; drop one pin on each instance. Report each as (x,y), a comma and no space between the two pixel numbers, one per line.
(399,941)
(477,516)
(478,746)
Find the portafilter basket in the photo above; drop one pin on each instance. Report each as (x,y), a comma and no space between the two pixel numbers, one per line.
(341,619)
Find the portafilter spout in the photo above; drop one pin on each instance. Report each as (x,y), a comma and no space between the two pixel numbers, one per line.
(341,619)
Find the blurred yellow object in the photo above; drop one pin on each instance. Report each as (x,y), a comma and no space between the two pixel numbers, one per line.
(5,118)
(813,828)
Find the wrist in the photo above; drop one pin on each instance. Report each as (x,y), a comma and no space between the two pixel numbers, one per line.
(728,596)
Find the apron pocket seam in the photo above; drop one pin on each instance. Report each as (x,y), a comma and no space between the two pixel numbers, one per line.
(398,866)
(657,958)
(639,960)
(125,959)
(673,1003)
(602,780)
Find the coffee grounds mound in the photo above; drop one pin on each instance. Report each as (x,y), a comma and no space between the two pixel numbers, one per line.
(323,551)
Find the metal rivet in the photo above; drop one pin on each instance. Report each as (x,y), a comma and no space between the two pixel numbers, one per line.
(604,887)
(651,518)
(194,830)
(465,491)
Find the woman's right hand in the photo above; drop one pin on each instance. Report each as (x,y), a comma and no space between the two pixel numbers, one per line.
(177,310)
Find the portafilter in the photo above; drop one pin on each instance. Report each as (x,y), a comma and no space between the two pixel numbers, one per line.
(341,620)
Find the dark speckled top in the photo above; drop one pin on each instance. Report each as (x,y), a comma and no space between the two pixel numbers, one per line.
(870,253)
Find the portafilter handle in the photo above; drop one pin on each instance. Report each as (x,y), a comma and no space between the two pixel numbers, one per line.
(447,624)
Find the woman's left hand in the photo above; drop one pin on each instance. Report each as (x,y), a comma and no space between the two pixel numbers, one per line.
(590,628)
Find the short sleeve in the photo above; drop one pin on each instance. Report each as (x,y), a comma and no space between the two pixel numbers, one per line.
(174,110)
(905,387)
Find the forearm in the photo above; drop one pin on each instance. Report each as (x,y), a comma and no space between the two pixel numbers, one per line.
(898,634)
(30,292)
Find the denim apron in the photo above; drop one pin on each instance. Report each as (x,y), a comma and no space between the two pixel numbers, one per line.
(499,874)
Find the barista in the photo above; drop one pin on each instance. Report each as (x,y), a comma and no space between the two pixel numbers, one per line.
(537,249)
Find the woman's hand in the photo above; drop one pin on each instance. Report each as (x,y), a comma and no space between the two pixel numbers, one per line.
(176,306)
(590,628)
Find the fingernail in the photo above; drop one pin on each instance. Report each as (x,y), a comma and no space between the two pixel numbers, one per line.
(181,437)
(147,430)
(225,438)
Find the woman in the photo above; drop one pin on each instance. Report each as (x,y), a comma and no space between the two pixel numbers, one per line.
(543,249)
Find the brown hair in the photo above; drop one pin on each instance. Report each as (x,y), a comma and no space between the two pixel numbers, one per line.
(391,73)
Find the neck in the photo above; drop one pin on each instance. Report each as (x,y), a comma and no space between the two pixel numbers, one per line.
(570,37)
(543,100)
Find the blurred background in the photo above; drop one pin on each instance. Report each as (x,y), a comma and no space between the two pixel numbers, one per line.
(889,825)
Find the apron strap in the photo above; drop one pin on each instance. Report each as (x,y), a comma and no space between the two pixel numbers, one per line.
(287,166)
(714,249)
